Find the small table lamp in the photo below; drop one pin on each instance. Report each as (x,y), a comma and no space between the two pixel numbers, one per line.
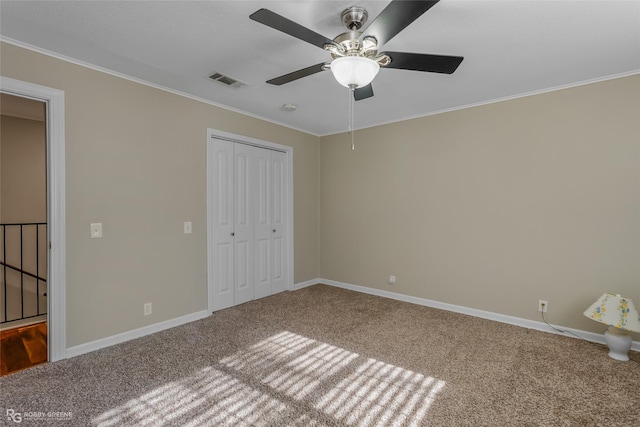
(619,313)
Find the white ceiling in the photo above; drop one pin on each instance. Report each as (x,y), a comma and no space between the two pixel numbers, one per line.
(510,48)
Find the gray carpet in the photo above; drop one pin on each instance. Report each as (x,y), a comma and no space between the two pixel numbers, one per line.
(323,356)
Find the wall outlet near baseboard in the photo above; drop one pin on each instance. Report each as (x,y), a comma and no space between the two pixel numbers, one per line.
(96,230)
(543,306)
(392,280)
(147,308)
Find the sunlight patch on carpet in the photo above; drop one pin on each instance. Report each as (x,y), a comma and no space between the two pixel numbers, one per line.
(290,363)
(207,397)
(286,377)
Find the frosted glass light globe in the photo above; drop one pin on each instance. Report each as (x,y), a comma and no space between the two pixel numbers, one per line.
(355,71)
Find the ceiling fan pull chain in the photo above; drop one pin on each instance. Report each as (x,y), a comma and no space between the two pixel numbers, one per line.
(352,89)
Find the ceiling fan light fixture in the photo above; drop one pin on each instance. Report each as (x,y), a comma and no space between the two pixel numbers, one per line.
(354,71)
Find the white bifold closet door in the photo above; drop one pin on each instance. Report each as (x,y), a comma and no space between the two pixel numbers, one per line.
(249,209)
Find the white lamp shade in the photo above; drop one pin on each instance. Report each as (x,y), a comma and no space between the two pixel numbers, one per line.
(615,310)
(354,70)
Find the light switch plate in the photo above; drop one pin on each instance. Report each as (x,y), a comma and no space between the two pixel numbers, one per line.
(187,227)
(96,230)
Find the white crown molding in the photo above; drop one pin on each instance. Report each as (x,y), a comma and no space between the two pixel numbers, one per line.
(496,100)
(255,116)
(144,82)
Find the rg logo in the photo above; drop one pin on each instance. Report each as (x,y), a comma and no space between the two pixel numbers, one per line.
(14,416)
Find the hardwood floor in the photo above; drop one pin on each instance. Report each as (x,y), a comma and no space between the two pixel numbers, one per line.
(23,347)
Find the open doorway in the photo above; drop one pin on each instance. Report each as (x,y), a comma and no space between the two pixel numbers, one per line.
(23,233)
(56,275)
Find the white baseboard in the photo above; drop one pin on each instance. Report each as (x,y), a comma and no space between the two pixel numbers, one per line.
(136,333)
(511,320)
(503,318)
(301,285)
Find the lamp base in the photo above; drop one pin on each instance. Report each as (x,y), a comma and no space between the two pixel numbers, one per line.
(619,343)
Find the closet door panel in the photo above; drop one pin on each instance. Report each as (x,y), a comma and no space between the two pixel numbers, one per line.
(262,224)
(243,223)
(278,221)
(223,220)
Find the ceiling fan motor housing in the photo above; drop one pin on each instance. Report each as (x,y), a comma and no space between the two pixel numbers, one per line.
(350,43)
(354,17)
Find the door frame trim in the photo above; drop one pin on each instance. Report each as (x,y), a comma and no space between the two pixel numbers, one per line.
(56,300)
(215,133)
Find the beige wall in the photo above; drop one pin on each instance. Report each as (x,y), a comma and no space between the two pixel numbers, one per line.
(493,207)
(23,190)
(23,199)
(135,161)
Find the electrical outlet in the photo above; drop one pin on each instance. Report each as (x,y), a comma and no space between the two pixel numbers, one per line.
(147,308)
(96,230)
(543,306)
(392,280)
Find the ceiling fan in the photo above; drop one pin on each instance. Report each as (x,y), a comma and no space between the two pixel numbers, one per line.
(356,59)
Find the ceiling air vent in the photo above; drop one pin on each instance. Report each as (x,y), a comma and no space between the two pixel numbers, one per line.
(226,80)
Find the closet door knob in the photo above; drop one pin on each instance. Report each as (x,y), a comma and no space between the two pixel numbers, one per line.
(233,234)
